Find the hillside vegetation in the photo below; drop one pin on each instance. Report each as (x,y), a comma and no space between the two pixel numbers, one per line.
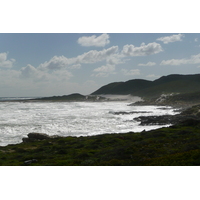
(167,84)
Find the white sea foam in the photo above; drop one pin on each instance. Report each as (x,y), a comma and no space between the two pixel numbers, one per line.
(122,97)
(70,118)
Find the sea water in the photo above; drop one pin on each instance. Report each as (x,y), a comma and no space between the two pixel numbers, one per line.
(17,119)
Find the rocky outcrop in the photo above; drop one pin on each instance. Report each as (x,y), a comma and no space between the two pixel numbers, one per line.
(129,113)
(37,136)
(192,113)
(163,120)
(154,120)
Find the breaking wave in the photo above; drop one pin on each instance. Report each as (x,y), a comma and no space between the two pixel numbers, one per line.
(71,118)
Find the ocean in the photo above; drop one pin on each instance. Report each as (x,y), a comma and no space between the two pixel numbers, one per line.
(17,119)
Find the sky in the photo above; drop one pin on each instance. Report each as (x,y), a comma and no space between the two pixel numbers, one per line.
(59,49)
(46,64)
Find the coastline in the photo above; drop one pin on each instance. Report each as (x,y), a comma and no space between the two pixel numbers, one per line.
(172,146)
(176,145)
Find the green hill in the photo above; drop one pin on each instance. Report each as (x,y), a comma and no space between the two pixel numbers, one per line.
(128,87)
(174,83)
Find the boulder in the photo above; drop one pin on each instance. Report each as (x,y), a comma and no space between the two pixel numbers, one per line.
(38,136)
(35,137)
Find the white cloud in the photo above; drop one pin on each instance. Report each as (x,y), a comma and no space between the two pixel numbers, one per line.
(143,50)
(104,70)
(93,40)
(196,39)
(174,62)
(194,59)
(172,38)
(147,64)
(132,72)
(4,63)
(30,72)
(55,63)
(93,56)
(115,59)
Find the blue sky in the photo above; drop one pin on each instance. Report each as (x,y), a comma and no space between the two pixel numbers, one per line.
(59,48)
(45,64)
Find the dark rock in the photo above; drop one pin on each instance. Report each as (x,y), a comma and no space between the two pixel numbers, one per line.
(165,119)
(129,113)
(25,139)
(154,120)
(188,116)
(36,136)
(39,136)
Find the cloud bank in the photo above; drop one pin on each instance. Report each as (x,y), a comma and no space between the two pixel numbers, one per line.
(93,56)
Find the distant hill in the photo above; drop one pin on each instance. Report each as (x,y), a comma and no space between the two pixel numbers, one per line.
(74,96)
(71,97)
(128,87)
(174,83)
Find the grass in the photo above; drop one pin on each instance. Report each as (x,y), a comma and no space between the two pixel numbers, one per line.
(172,146)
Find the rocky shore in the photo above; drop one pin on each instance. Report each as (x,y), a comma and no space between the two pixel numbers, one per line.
(176,145)
(32,137)
(192,113)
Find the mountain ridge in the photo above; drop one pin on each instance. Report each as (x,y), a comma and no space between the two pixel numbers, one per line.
(173,83)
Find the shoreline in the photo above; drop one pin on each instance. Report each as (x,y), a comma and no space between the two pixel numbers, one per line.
(176,145)
(143,120)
